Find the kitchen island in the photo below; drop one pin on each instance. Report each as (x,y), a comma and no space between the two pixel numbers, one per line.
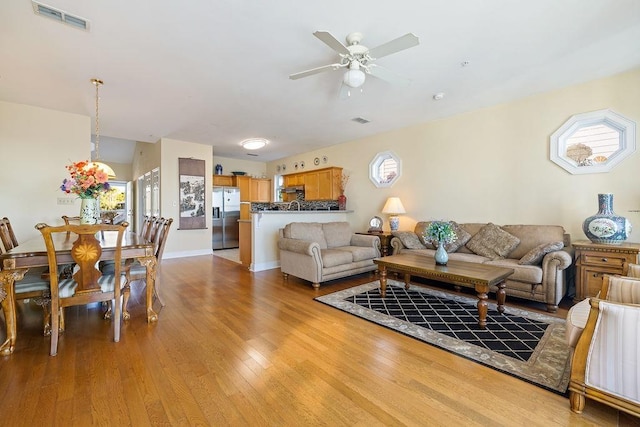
(265,254)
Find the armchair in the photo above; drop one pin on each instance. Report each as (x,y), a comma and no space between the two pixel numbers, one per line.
(604,365)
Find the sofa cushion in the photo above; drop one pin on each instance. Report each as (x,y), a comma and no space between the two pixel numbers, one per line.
(493,242)
(535,255)
(533,235)
(309,231)
(337,234)
(409,239)
(333,257)
(462,238)
(521,273)
(360,253)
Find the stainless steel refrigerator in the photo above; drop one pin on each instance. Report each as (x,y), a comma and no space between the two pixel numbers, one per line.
(226,213)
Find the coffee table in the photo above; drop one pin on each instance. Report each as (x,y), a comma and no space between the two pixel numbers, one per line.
(460,273)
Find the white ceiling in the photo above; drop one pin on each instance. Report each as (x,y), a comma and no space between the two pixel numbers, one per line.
(216,71)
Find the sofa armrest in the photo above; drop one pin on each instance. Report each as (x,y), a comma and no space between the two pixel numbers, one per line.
(396,245)
(559,260)
(297,245)
(365,240)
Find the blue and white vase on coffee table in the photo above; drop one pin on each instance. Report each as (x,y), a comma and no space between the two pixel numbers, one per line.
(441,256)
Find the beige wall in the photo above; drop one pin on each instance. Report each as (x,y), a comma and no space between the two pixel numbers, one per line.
(183,242)
(493,164)
(36,146)
(253,168)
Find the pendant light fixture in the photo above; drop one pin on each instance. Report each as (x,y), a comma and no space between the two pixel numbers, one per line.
(97,163)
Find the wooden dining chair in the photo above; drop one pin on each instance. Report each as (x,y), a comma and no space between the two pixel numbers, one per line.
(147,225)
(137,272)
(87,284)
(35,283)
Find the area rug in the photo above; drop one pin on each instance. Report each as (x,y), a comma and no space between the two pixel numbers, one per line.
(526,344)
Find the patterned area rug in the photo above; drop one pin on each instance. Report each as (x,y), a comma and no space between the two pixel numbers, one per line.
(525,344)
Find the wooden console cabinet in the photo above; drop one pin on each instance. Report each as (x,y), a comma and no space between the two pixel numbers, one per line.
(594,260)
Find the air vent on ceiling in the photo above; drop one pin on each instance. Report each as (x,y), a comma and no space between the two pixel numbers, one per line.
(60,16)
(252,154)
(361,120)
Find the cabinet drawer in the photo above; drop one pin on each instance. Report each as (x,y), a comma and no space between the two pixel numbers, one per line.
(605,260)
(593,280)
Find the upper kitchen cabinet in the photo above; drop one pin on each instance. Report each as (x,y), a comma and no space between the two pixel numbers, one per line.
(319,184)
(224,180)
(244,184)
(260,190)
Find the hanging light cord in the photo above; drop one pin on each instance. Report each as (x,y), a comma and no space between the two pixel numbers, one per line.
(97,83)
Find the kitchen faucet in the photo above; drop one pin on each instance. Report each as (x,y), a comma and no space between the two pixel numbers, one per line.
(292,202)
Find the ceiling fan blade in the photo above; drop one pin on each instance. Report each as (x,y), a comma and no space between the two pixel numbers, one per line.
(315,71)
(396,45)
(335,44)
(386,75)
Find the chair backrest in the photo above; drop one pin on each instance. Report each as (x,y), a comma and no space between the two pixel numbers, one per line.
(161,237)
(86,253)
(71,219)
(8,237)
(620,289)
(633,270)
(147,225)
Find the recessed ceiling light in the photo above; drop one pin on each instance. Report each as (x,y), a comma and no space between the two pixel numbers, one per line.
(254,143)
(438,96)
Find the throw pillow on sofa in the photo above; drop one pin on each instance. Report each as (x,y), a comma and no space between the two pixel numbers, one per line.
(409,239)
(419,230)
(535,255)
(462,238)
(493,242)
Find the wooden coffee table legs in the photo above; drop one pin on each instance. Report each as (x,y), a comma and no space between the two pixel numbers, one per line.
(482,289)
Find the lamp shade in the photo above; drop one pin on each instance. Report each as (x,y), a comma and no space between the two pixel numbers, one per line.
(393,206)
(354,78)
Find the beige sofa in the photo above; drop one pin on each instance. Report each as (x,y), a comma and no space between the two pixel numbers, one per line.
(539,254)
(318,252)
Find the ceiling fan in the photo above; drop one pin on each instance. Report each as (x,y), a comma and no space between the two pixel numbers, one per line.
(359,59)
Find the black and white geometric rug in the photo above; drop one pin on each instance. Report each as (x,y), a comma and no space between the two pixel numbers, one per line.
(525,344)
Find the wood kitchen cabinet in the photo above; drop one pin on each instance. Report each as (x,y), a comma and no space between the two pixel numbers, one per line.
(244,185)
(245,243)
(594,260)
(224,180)
(319,184)
(260,190)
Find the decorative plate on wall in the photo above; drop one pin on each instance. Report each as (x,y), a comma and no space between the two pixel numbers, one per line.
(295,165)
(302,165)
(316,161)
(325,159)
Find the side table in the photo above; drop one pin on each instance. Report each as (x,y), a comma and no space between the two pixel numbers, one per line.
(594,260)
(385,241)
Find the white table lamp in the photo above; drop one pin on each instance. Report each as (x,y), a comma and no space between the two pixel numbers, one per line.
(393,207)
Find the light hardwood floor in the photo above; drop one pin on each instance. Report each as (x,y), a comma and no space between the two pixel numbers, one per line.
(248,349)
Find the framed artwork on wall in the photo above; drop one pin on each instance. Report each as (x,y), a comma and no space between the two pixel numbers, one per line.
(192,196)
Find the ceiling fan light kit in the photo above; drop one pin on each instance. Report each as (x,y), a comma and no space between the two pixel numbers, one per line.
(359,59)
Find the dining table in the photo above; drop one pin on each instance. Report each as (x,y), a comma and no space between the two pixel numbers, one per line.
(33,253)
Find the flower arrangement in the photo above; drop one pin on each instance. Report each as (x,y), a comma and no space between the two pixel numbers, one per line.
(87,180)
(440,232)
(344,179)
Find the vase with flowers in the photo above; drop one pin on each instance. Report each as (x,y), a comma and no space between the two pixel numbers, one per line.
(342,199)
(440,233)
(89,182)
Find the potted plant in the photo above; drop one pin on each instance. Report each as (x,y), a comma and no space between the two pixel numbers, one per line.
(440,233)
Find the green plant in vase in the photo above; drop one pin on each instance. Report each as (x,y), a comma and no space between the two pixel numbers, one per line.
(440,233)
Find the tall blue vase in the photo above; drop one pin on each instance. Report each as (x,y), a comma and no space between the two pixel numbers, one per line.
(605,226)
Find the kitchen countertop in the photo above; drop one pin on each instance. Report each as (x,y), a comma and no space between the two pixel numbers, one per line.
(319,211)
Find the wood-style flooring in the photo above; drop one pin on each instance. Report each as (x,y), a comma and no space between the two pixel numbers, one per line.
(235,348)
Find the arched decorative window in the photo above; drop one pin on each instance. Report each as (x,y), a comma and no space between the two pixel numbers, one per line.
(593,142)
(385,169)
